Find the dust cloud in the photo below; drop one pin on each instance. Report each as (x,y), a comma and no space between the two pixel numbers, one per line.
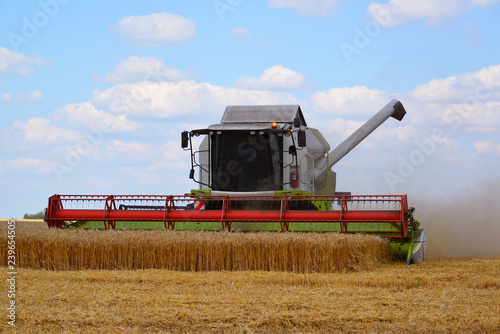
(465,224)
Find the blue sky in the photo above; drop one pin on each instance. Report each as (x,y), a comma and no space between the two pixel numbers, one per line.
(93,95)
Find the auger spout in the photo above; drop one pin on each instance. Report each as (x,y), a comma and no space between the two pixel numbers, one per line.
(393,109)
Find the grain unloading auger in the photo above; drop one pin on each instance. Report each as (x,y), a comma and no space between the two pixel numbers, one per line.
(261,169)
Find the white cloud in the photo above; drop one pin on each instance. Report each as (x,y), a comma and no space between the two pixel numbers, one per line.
(26,165)
(474,117)
(172,151)
(131,150)
(158,29)
(276,77)
(184,98)
(171,168)
(240,31)
(336,130)
(484,2)
(469,102)
(39,131)
(357,100)
(403,133)
(155,157)
(487,147)
(314,8)
(394,133)
(15,63)
(33,96)
(86,114)
(136,69)
(400,11)
(482,85)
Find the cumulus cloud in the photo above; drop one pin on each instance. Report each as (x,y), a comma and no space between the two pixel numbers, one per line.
(477,117)
(403,133)
(357,100)
(314,8)
(136,69)
(157,164)
(171,150)
(155,157)
(33,96)
(396,12)
(170,99)
(158,29)
(131,150)
(487,147)
(26,165)
(276,77)
(484,2)
(482,85)
(469,101)
(39,131)
(240,31)
(87,115)
(336,130)
(15,63)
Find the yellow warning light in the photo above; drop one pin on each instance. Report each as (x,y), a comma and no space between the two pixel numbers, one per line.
(274,125)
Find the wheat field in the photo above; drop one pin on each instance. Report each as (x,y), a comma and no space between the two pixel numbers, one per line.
(439,295)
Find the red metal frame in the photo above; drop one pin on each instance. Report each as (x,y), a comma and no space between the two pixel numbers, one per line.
(169,209)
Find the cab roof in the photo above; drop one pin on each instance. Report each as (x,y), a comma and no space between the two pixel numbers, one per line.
(279,113)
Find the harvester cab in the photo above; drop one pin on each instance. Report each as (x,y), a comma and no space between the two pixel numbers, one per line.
(260,150)
(260,169)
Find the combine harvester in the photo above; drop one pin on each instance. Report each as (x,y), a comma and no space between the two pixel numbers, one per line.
(261,169)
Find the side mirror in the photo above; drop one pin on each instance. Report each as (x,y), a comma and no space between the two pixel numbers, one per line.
(184,139)
(191,173)
(301,137)
(296,122)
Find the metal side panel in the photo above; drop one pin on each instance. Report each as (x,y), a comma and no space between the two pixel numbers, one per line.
(418,247)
